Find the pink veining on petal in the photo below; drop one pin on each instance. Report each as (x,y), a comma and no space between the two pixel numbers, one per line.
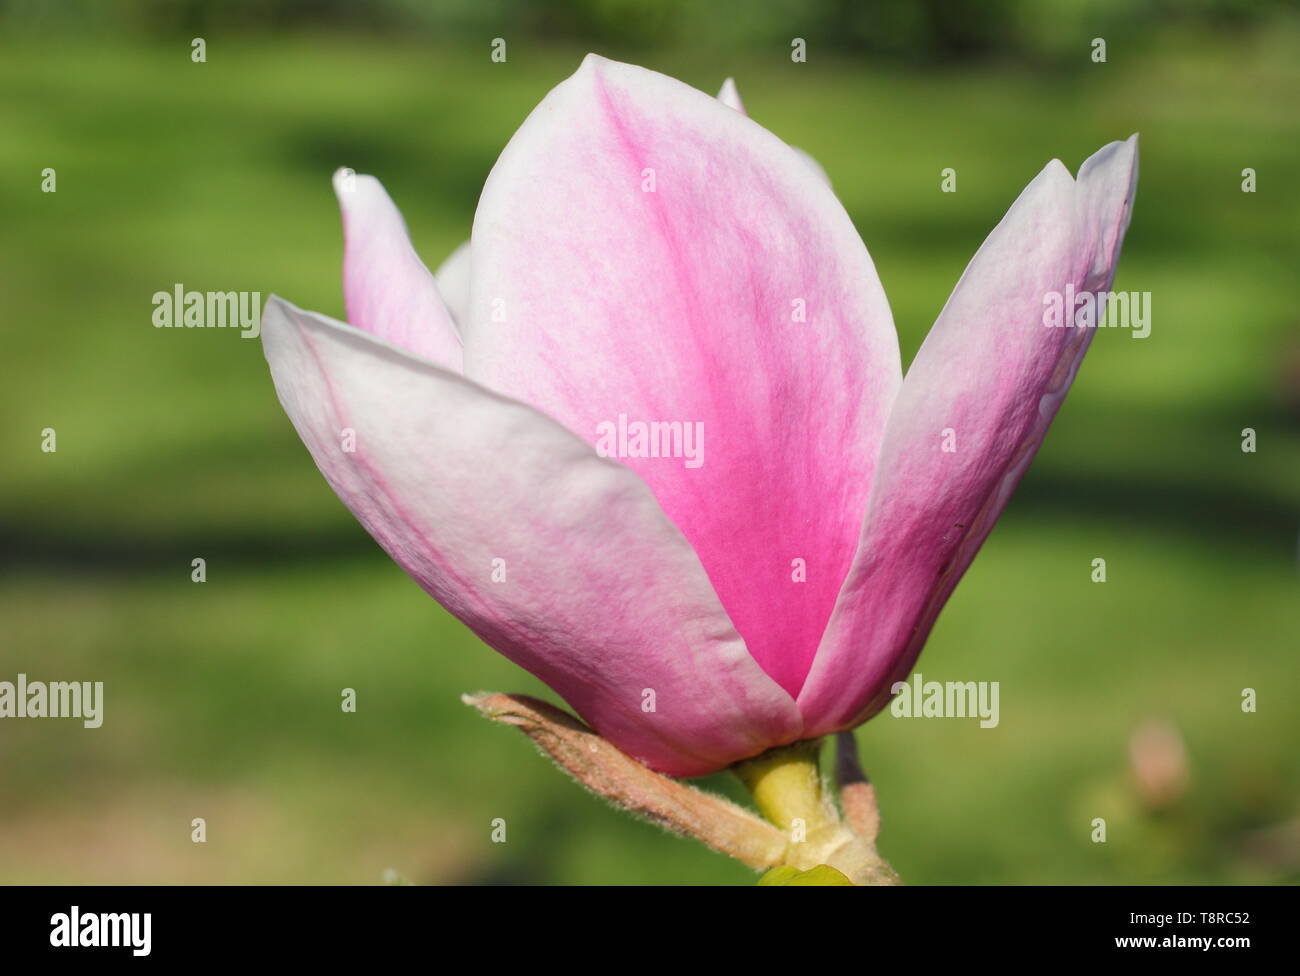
(641,250)
(557,558)
(991,376)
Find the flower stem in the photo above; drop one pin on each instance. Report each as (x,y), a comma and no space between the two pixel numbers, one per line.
(787,788)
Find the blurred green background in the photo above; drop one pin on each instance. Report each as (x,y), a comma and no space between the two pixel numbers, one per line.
(222,699)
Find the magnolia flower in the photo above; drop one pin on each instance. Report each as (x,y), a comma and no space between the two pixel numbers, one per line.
(645,254)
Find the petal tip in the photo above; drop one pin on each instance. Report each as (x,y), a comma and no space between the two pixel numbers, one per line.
(729,95)
(1056,168)
(275,311)
(342,180)
(592,62)
(351,187)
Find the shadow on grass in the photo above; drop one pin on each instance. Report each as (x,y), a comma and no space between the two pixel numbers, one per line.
(1211,513)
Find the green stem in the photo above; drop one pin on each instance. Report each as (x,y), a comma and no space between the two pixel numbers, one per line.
(786,785)
(787,788)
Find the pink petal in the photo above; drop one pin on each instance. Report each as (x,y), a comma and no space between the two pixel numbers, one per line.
(995,374)
(593,298)
(387,289)
(602,597)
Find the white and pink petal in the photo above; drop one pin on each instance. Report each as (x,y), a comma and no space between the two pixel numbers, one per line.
(643,251)
(559,559)
(386,287)
(973,410)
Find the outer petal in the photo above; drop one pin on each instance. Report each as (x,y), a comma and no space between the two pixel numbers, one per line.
(387,289)
(995,374)
(602,596)
(593,297)
(452,279)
